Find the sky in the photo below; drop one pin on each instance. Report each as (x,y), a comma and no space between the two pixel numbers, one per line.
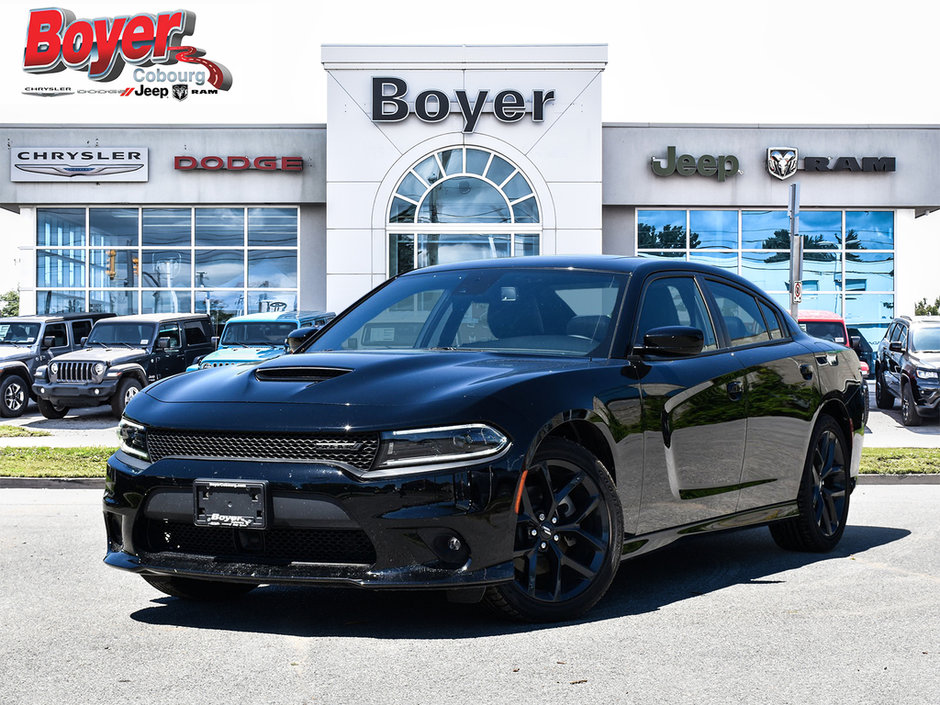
(673,61)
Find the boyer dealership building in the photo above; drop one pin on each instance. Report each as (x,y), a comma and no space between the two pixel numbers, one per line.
(441,154)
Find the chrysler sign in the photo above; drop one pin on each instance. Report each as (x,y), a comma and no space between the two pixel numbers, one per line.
(78,164)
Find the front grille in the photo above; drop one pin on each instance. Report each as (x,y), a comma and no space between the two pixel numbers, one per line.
(276,544)
(355,449)
(75,372)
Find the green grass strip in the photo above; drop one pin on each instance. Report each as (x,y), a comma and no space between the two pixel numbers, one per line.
(8,431)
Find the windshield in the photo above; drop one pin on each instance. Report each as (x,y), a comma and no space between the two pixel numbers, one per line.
(133,334)
(529,311)
(18,333)
(257,333)
(925,339)
(830,330)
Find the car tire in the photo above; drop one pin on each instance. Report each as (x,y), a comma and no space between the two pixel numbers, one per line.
(909,415)
(569,500)
(14,396)
(126,391)
(823,497)
(883,398)
(202,590)
(50,410)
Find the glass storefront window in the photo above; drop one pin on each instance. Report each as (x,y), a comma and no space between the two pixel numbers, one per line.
(272,268)
(272,227)
(166,268)
(765,230)
(220,268)
(821,230)
(464,200)
(167,227)
(869,271)
(713,229)
(724,260)
(220,227)
(661,229)
(60,301)
(869,230)
(270,301)
(60,268)
(166,301)
(112,227)
(123,303)
(220,305)
(112,268)
(447,249)
(60,227)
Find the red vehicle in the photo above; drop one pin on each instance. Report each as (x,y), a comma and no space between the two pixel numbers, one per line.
(831,326)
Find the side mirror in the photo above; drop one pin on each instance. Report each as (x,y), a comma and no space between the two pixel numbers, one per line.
(895,346)
(215,342)
(673,341)
(299,336)
(856,341)
(83,340)
(48,341)
(163,343)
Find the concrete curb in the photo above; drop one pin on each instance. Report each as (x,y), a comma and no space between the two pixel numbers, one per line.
(97,483)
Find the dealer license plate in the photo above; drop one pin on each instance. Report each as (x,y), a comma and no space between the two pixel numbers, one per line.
(230,503)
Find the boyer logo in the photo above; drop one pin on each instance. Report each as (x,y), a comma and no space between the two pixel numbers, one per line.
(55,40)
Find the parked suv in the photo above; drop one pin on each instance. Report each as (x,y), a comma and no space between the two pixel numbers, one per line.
(908,367)
(26,342)
(121,356)
(259,336)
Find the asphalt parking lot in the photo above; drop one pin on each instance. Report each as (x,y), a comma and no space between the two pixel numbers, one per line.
(717,619)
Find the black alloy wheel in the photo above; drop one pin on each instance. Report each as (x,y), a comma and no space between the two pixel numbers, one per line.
(50,410)
(823,499)
(202,590)
(13,396)
(883,398)
(909,415)
(568,537)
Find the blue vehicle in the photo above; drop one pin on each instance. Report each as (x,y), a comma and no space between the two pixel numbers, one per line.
(259,336)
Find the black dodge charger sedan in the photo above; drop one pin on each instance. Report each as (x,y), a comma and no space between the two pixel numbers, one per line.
(506,430)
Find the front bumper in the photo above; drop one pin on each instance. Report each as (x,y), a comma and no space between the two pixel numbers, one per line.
(927,398)
(324,525)
(75,395)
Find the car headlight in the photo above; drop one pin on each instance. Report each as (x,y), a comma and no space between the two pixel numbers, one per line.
(926,373)
(448,444)
(133,438)
(54,368)
(99,368)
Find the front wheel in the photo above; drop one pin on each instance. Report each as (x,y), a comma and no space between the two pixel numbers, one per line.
(202,590)
(126,391)
(50,410)
(823,498)
(568,537)
(909,415)
(13,396)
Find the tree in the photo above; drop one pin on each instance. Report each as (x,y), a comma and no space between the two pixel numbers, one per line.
(922,308)
(670,237)
(10,303)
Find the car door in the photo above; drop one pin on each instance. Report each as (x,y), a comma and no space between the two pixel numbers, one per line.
(57,335)
(894,359)
(169,354)
(781,393)
(196,341)
(693,413)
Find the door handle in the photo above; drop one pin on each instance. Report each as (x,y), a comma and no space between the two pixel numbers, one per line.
(806,371)
(735,391)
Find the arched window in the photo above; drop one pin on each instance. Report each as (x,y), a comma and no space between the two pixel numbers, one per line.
(459,204)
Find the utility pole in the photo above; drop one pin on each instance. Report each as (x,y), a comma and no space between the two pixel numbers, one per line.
(796,252)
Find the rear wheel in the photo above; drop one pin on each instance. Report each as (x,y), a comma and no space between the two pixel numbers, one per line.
(126,391)
(909,415)
(50,410)
(569,535)
(203,590)
(13,396)
(883,398)
(823,499)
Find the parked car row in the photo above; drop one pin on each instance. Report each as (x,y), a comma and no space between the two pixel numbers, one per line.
(91,359)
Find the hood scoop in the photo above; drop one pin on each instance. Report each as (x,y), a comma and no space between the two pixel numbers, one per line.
(299,374)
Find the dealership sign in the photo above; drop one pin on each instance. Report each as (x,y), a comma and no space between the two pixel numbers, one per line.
(238,163)
(722,166)
(78,164)
(783,162)
(55,41)
(389,104)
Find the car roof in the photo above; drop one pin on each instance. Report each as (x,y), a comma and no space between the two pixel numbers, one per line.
(272,316)
(158,317)
(39,318)
(817,315)
(921,320)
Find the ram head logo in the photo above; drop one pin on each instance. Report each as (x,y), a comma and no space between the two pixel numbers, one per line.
(782,161)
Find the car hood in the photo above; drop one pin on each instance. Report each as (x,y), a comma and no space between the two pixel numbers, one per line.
(342,390)
(235,355)
(926,358)
(112,356)
(15,352)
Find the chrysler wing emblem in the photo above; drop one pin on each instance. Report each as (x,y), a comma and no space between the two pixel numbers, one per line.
(782,161)
(70,171)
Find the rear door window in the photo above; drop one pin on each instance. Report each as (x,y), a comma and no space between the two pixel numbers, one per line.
(740,313)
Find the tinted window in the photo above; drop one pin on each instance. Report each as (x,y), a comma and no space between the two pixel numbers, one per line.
(896,333)
(740,313)
(171,332)
(773,322)
(81,329)
(195,334)
(257,332)
(132,334)
(58,332)
(926,339)
(19,333)
(674,301)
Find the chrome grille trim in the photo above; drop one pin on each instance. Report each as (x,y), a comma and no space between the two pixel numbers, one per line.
(357,450)
(75,372)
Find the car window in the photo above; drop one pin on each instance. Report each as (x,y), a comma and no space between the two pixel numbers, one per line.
(81,329)
(58,332)
(740,313)
(170,331)
(195,334)
(674,301)
(772,321)
(829,330)
(926,339)
(896,333)
(903,337)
